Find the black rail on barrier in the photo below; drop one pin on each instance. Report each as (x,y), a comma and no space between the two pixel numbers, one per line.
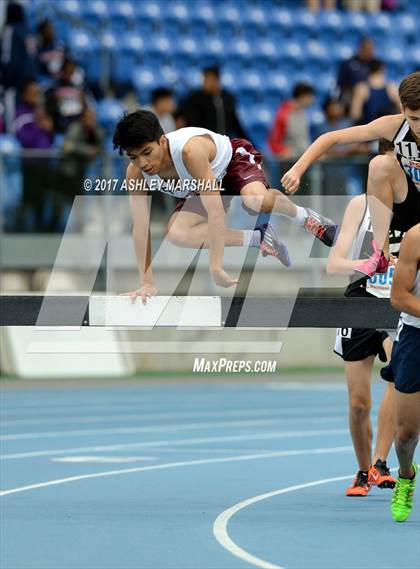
(312,308)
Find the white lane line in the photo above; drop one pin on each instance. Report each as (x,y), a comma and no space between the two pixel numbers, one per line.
(78,419)
(98,459)
(180,442)
(169,465)
(135,430)
(220,525)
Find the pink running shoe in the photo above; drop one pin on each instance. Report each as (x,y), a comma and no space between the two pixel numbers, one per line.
(377,262)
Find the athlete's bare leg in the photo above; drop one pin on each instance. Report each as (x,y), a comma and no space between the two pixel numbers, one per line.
(386,424)
(386,416)
(408,429)
(358,375)
(256,197)
(189,229)
(387,184)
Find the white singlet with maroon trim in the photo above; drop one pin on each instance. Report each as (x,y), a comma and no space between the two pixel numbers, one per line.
(177,140)
(409,319)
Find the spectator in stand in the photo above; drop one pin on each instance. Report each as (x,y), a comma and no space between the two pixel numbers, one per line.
(213,107)
(83,142)
(163,105)
(359,5)
(336,177)
(66,99)
(51,52)
(354,70)
(374,97)
(16,62)
(34,130)
(317,5)
(290,135)
(179,118)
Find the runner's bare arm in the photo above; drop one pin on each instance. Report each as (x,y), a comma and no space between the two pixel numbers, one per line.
(402,297)
(139,207)
(338,261)
(384,127)
(197,162)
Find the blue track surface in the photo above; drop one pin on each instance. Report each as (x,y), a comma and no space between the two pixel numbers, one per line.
(167,461)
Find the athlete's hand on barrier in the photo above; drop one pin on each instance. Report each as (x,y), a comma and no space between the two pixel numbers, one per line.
(145,292)
(291,181)
(221,278)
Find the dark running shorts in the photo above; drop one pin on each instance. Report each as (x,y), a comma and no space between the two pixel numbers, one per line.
(356,344)
(243,168)
(404,369)
(407,214)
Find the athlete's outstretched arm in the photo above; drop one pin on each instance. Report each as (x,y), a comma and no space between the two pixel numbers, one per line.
(384,127)
(139,207)
(338,261)
(402,297)
(197,163)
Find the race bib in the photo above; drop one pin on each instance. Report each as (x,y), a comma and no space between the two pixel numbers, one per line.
(380,285)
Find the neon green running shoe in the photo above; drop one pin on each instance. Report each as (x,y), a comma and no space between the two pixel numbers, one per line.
(402,497)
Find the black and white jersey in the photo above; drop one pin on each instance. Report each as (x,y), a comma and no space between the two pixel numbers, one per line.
(407,152)
(380,284)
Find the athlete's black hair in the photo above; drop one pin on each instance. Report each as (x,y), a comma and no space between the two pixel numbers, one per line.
(161,93)
(375,65)
(301,89)
(135,129)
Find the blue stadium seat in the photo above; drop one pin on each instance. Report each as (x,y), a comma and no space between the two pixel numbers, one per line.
(188,50)
(85,48)
(241,50)
(123,16)
(96,13)
(130,54)
(70,8)
(108,112)
(291,56)
(305,24)
(256,20)
(10,181)
(150,12)
(229,19)
(257,122)
(317,56)
(282,21)
(330,23)
(266,53)
(144,80)
(158,49)
(406,25)
(203,18)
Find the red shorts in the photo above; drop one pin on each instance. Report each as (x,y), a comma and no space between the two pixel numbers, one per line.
(243,168)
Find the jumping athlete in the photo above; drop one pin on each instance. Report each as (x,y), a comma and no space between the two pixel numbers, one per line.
(404,370)
(393,185)
(195,158)
(358,347)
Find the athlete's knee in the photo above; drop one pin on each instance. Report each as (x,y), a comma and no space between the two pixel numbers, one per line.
(177,235)
(381,166)
(359,406)
(254,202)
(407,433)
